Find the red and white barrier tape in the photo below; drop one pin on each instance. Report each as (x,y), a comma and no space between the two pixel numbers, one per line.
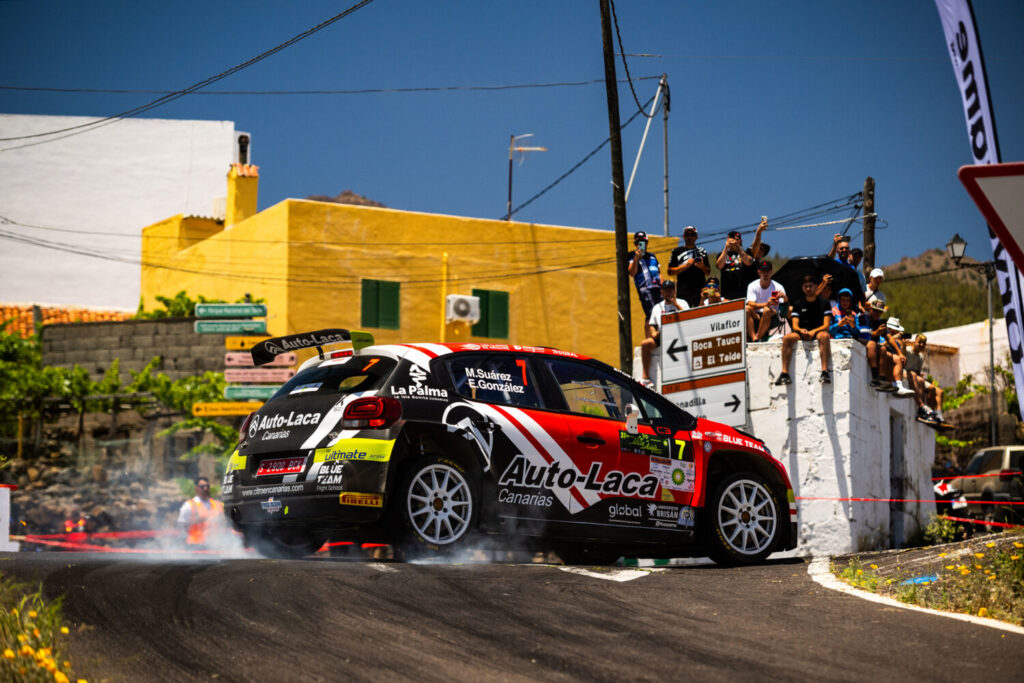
(968,520)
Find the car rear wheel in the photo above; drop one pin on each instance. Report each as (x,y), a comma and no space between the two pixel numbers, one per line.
(283,544)
(438,506)
(742,522)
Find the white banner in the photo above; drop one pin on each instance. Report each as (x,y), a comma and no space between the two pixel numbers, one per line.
(965,51)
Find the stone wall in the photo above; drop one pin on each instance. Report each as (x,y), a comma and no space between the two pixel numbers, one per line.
(135,342)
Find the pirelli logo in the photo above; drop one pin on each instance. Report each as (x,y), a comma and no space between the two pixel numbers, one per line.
(366,500)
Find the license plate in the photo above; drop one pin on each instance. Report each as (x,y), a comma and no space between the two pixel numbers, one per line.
(280,466)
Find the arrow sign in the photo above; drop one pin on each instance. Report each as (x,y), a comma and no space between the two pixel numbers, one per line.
(735,403)
(230,310)
(673,349)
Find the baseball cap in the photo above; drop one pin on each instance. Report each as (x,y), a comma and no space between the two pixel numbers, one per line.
(877,272)
(764,265)
(845,291)
(734,233)
(668,284)
(639,235)
(690,228)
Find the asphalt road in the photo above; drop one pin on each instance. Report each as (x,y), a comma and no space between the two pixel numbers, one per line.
(329,619)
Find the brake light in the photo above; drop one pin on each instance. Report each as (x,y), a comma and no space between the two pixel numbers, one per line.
(244,429)
(1007,475)
(375,412)
(340,354)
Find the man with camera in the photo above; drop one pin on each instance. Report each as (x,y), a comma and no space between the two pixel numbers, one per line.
(689,265)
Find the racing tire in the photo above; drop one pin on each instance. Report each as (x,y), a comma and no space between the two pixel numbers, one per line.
(743,521)
(283,544)
(437,508)
(595,555)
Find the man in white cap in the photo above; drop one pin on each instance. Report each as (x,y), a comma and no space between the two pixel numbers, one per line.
(892,353)
(874,289)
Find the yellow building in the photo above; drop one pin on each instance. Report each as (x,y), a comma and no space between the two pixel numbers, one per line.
(321,264)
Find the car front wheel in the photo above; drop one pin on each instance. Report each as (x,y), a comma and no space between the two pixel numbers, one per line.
(742,520)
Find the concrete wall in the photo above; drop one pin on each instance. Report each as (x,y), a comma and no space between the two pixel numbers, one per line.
(973,356)
(114,179)
(135,342)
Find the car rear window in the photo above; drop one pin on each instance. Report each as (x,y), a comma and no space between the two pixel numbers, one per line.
(340,376)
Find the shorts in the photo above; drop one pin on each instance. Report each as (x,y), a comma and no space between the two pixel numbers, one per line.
(648,298)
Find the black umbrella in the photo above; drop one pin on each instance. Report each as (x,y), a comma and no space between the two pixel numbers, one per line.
(791,276)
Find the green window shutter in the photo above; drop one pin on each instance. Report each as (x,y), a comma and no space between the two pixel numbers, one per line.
(389,305)
(493,314)
(371,310)
(498,314)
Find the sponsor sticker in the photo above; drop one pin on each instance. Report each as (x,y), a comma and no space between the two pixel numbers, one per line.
(644,444)
(629,513)
(686,516)
(372,450)
(329,476)
(520,473)
(270,506)
(235,462)
(305,388)
(369,500)
(511,497)
(673,475)
(292,419)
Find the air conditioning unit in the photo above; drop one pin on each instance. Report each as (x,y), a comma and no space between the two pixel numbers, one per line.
(462,308)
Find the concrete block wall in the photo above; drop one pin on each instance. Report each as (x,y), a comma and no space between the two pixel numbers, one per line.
(135,342)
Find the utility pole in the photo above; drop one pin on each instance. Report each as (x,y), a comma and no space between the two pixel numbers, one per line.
(868,211)
(618,194)
(664,118)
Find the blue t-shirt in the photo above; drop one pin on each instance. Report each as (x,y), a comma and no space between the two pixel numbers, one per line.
(648,271)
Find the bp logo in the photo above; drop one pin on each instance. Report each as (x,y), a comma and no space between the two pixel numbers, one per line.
(678,476)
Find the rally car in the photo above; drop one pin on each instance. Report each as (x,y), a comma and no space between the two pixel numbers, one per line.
(437,447)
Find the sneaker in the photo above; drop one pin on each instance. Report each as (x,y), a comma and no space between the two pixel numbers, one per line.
(826,377)
(646,381)
(783,379)
(924,413)
(903,391)
(877,383)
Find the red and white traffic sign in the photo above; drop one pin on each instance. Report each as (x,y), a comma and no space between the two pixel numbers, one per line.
(998,190)
(257,375)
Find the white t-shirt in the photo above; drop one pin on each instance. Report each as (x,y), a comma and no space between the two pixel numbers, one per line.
(874,296)
(760,295)
(663,307)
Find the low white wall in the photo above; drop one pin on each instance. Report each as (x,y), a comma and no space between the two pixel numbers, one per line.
(836,441)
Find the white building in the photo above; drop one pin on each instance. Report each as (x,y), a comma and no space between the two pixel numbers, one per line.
(90,194)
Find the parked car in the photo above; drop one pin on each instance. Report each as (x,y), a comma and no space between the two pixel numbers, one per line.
(993,478)
(436,447)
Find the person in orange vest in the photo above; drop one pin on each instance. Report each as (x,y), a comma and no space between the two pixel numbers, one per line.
(200,515)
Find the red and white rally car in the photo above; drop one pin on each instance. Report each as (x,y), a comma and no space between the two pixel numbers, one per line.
(433,447)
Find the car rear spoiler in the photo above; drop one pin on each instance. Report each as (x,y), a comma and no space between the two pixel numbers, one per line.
(268,349)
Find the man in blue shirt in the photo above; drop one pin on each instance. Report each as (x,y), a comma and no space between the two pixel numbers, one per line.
(646,273)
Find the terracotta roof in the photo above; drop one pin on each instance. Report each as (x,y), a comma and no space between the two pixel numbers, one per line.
(246,170)
(21,316)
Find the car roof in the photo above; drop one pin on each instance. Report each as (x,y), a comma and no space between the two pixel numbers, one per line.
(434,350)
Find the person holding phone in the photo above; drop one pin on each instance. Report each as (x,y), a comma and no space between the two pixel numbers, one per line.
(764,296)
(690,266)
(646,273)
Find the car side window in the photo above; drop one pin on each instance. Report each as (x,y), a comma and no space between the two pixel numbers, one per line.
(591,391)
(1017,460)
(494,378)
(974,466)
(993,461)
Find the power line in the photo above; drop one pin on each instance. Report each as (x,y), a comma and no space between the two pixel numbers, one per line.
(81,128)
(321,91)
(625,65)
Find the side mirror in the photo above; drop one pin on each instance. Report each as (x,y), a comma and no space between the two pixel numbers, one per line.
(632,417)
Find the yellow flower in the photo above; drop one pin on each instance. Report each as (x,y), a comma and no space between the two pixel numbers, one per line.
(988,571)
(1014,557)
(926,583)
(990,544)
(36,633)
(8,653)
(67,665)
(942,554)
(22,637)
(950,567)
(977,566)
(979,554)
(874,566)
(27,650)
(14,611)
(64,630)
(32,614)
(992,577)
(859,572)
(965,571)
(1018,544)
(45,652)
(60,677)
(983,612)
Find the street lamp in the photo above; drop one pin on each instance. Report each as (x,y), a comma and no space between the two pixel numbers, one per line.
(512,148)
(955,250)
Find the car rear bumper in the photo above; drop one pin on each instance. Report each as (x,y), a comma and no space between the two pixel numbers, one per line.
(337,508)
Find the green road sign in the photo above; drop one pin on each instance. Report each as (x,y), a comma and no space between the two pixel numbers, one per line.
(230,310)
(231,326)
(235,392)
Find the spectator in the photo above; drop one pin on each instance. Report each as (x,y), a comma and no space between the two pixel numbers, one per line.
(871,331)
(824,290)
(757,251)
(844,317)
(646,273)
(840,250)
(810,317)
(927,395)
(711,294)
(734,264)
(892,355)
(874,292)
(689,265)
(668,304)
(856,256)
(200,515)
(764,296)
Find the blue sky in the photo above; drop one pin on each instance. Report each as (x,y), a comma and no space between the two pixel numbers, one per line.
(775,106)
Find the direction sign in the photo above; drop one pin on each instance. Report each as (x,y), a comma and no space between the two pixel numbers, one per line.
(241,359)
(242,391)
(231,310)
(998,190)
(257,375)
(242,343)
(702,342)
(231,326)
(722,398)
(225,408)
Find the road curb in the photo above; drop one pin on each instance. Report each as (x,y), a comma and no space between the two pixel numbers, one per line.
(819,571)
